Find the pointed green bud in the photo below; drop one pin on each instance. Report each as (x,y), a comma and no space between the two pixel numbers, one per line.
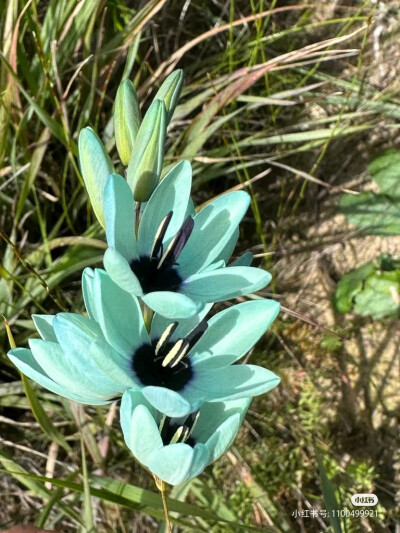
(96,166)
(146,161)
(126,119)
(170,92)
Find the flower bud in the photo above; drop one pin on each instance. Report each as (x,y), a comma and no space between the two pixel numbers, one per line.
(95,166)
(146,161)
(126,119)
(170,91)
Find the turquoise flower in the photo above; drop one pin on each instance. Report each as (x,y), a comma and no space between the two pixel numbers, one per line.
(179,449)
(176,259)
(177,366)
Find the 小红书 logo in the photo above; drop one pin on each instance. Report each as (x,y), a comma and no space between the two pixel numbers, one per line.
(361,500)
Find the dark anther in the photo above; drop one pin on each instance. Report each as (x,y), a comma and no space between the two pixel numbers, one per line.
(176,245)
(195,335)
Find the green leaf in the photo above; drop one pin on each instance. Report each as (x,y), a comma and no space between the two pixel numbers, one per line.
(55,498)
(385,170)
(349,286)
(328,491)
(30,481)
(376,214)
(87,501)
(151,499)
(41,416)
(372,289)
(380,296)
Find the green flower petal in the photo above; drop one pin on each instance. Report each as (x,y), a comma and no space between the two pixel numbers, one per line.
(214,226)
(25,362)
(171,304)
(214,414)
(117,367)
(44,325)
(120,272)
(225,283)
(69,374)
(244,260)
(119,217)
(223,437)
(229,383)
(144,436)
(168,401)
(95,165)
(160,323)
(84,348)
(87,290)
(78,329)
(226,253)
(190,209)
(177,463)
(172,194)
(130,399)
(232,333)
(119,315)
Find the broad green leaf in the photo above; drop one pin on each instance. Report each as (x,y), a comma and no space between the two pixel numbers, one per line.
(349,286)
(380,296)
(376,214)
(385,170)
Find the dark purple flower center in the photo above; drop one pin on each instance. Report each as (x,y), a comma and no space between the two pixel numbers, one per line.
(174,430)
(164,363)
(157,271)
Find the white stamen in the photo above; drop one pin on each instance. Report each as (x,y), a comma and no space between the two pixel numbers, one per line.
(196,418)
(162,228)
(180,356)
(173,353)
(171,246)
(165,336)
(180,435)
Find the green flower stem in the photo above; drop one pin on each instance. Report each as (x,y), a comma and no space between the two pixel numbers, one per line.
(162,487)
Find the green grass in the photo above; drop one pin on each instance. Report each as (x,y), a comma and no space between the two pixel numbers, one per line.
(283,100)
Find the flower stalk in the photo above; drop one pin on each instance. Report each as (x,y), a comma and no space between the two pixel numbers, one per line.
(162,487)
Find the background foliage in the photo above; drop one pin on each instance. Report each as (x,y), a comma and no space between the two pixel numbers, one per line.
(291,102)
